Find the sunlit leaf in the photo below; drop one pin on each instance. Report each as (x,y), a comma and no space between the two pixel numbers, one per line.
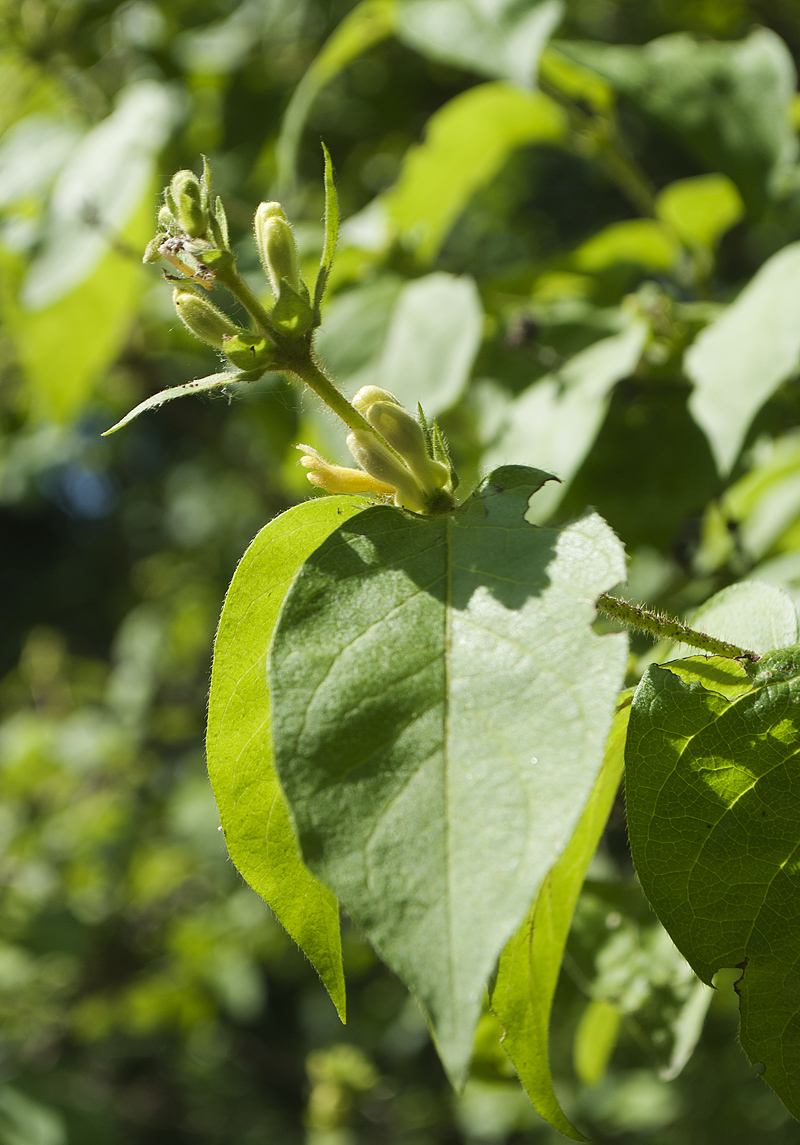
(700,210)
(435,332)
(252,810)
(751,614)
(739,361)
(331,230)
(555,421)
(499,38)
(642,242)
(98,190)
(466,143)
(188,389)
(440,708)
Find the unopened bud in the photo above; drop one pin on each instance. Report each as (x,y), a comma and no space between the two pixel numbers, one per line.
(276,246)
(202,317)
(368,395)
(383,465)
(187,195)
(405,435)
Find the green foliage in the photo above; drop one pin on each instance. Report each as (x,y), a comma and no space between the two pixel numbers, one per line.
(722,885)
(528,972)
(258,832)
(593,276)
(393,639)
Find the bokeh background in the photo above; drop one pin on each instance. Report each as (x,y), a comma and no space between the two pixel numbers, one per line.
(494,234)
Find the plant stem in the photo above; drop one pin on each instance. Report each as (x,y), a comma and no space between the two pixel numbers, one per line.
(662,626)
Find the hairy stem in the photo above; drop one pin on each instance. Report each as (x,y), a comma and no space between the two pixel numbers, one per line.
(662,626)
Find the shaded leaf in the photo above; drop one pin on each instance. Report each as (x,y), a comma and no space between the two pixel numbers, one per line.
(252,810)
(466,143)
(727,103)
(440,706)
(555,421)
(595,1039)
(712,796)
(501,38)
(739,361)
(529,967)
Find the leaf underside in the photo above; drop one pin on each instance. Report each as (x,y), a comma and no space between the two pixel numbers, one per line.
(713,797)
(440,706)
(258,831)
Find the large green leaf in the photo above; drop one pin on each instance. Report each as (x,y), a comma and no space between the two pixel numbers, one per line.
(440,705)
(727,103)
(713,798)
(529,968)
(466,143)
(556,420)
(500,38)
(435,332)
(252,810)
(739,361)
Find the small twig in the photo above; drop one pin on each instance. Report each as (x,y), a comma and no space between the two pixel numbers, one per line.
(663,627)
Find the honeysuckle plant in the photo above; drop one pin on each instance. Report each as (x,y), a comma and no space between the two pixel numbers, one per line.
(413,715)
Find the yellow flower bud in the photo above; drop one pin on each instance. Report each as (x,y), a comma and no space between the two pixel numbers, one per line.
(276,246)
(202,317)
(384,466)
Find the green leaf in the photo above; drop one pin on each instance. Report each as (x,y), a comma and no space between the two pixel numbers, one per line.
(751,614)
(556,420)
(739,361)
(98,190)
(252,810)
(595,1039)
(65,347)
(331,225)
(200,386)
(528,974)
(712,797)
(727,103)
(440,706)
(466,143)
(366,25)
(700,210)
(641,242)
(499,38)
(434,335)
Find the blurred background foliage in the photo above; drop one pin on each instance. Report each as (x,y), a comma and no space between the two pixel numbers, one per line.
(549,267)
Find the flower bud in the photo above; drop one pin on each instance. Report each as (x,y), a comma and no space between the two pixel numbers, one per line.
(338,478)
(404,433)
(384,466)
(202,317)
(276,246)
(368,395)
(187,195)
